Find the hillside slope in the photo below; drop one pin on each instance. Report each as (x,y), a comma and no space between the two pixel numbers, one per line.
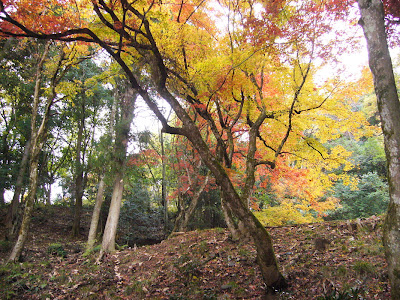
(198,265)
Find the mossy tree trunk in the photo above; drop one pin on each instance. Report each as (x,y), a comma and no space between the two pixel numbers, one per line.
(372,22)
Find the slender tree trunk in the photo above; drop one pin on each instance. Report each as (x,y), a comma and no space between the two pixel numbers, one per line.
(164,185)
(96,214)
(48,194)
(121,143)
(2,199)
(11,218)
(372,21)
(78,178)
(38,136)
(29,203)
(5,161)
(229,220)
(94,224)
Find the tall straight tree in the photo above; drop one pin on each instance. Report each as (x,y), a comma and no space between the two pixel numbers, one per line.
(127,99)
(372,22)
(110,136)
(38,138)
(53,71)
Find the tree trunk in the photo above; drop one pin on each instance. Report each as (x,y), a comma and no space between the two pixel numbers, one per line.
(372,21)
(254,229)
(96,214)
(38,136)
(263,242)
(110,231)
(229,219)
(164,185)
(48,193)
(29,203)
(94,223)
(78,178)
(121,143)
(2,200)
(11,218)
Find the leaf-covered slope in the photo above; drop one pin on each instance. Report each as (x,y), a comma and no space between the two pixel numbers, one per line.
(201,265)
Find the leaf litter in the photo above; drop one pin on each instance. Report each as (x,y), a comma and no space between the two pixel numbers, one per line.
(202,264)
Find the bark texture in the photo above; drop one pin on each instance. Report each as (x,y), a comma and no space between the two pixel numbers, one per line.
(110,231)
(372,22)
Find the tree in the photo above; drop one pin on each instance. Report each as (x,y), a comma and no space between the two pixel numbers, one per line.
(127,99)
(102,160)
(230,83)
(38,137)
(372,22)
(17,65)
(88,95)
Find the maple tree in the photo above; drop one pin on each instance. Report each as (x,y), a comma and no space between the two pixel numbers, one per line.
(252,83)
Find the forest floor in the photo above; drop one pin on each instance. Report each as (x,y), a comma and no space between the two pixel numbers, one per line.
(203,264)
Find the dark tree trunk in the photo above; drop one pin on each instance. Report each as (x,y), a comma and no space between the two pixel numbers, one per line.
(372,21)
(78,178)
(164,185)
